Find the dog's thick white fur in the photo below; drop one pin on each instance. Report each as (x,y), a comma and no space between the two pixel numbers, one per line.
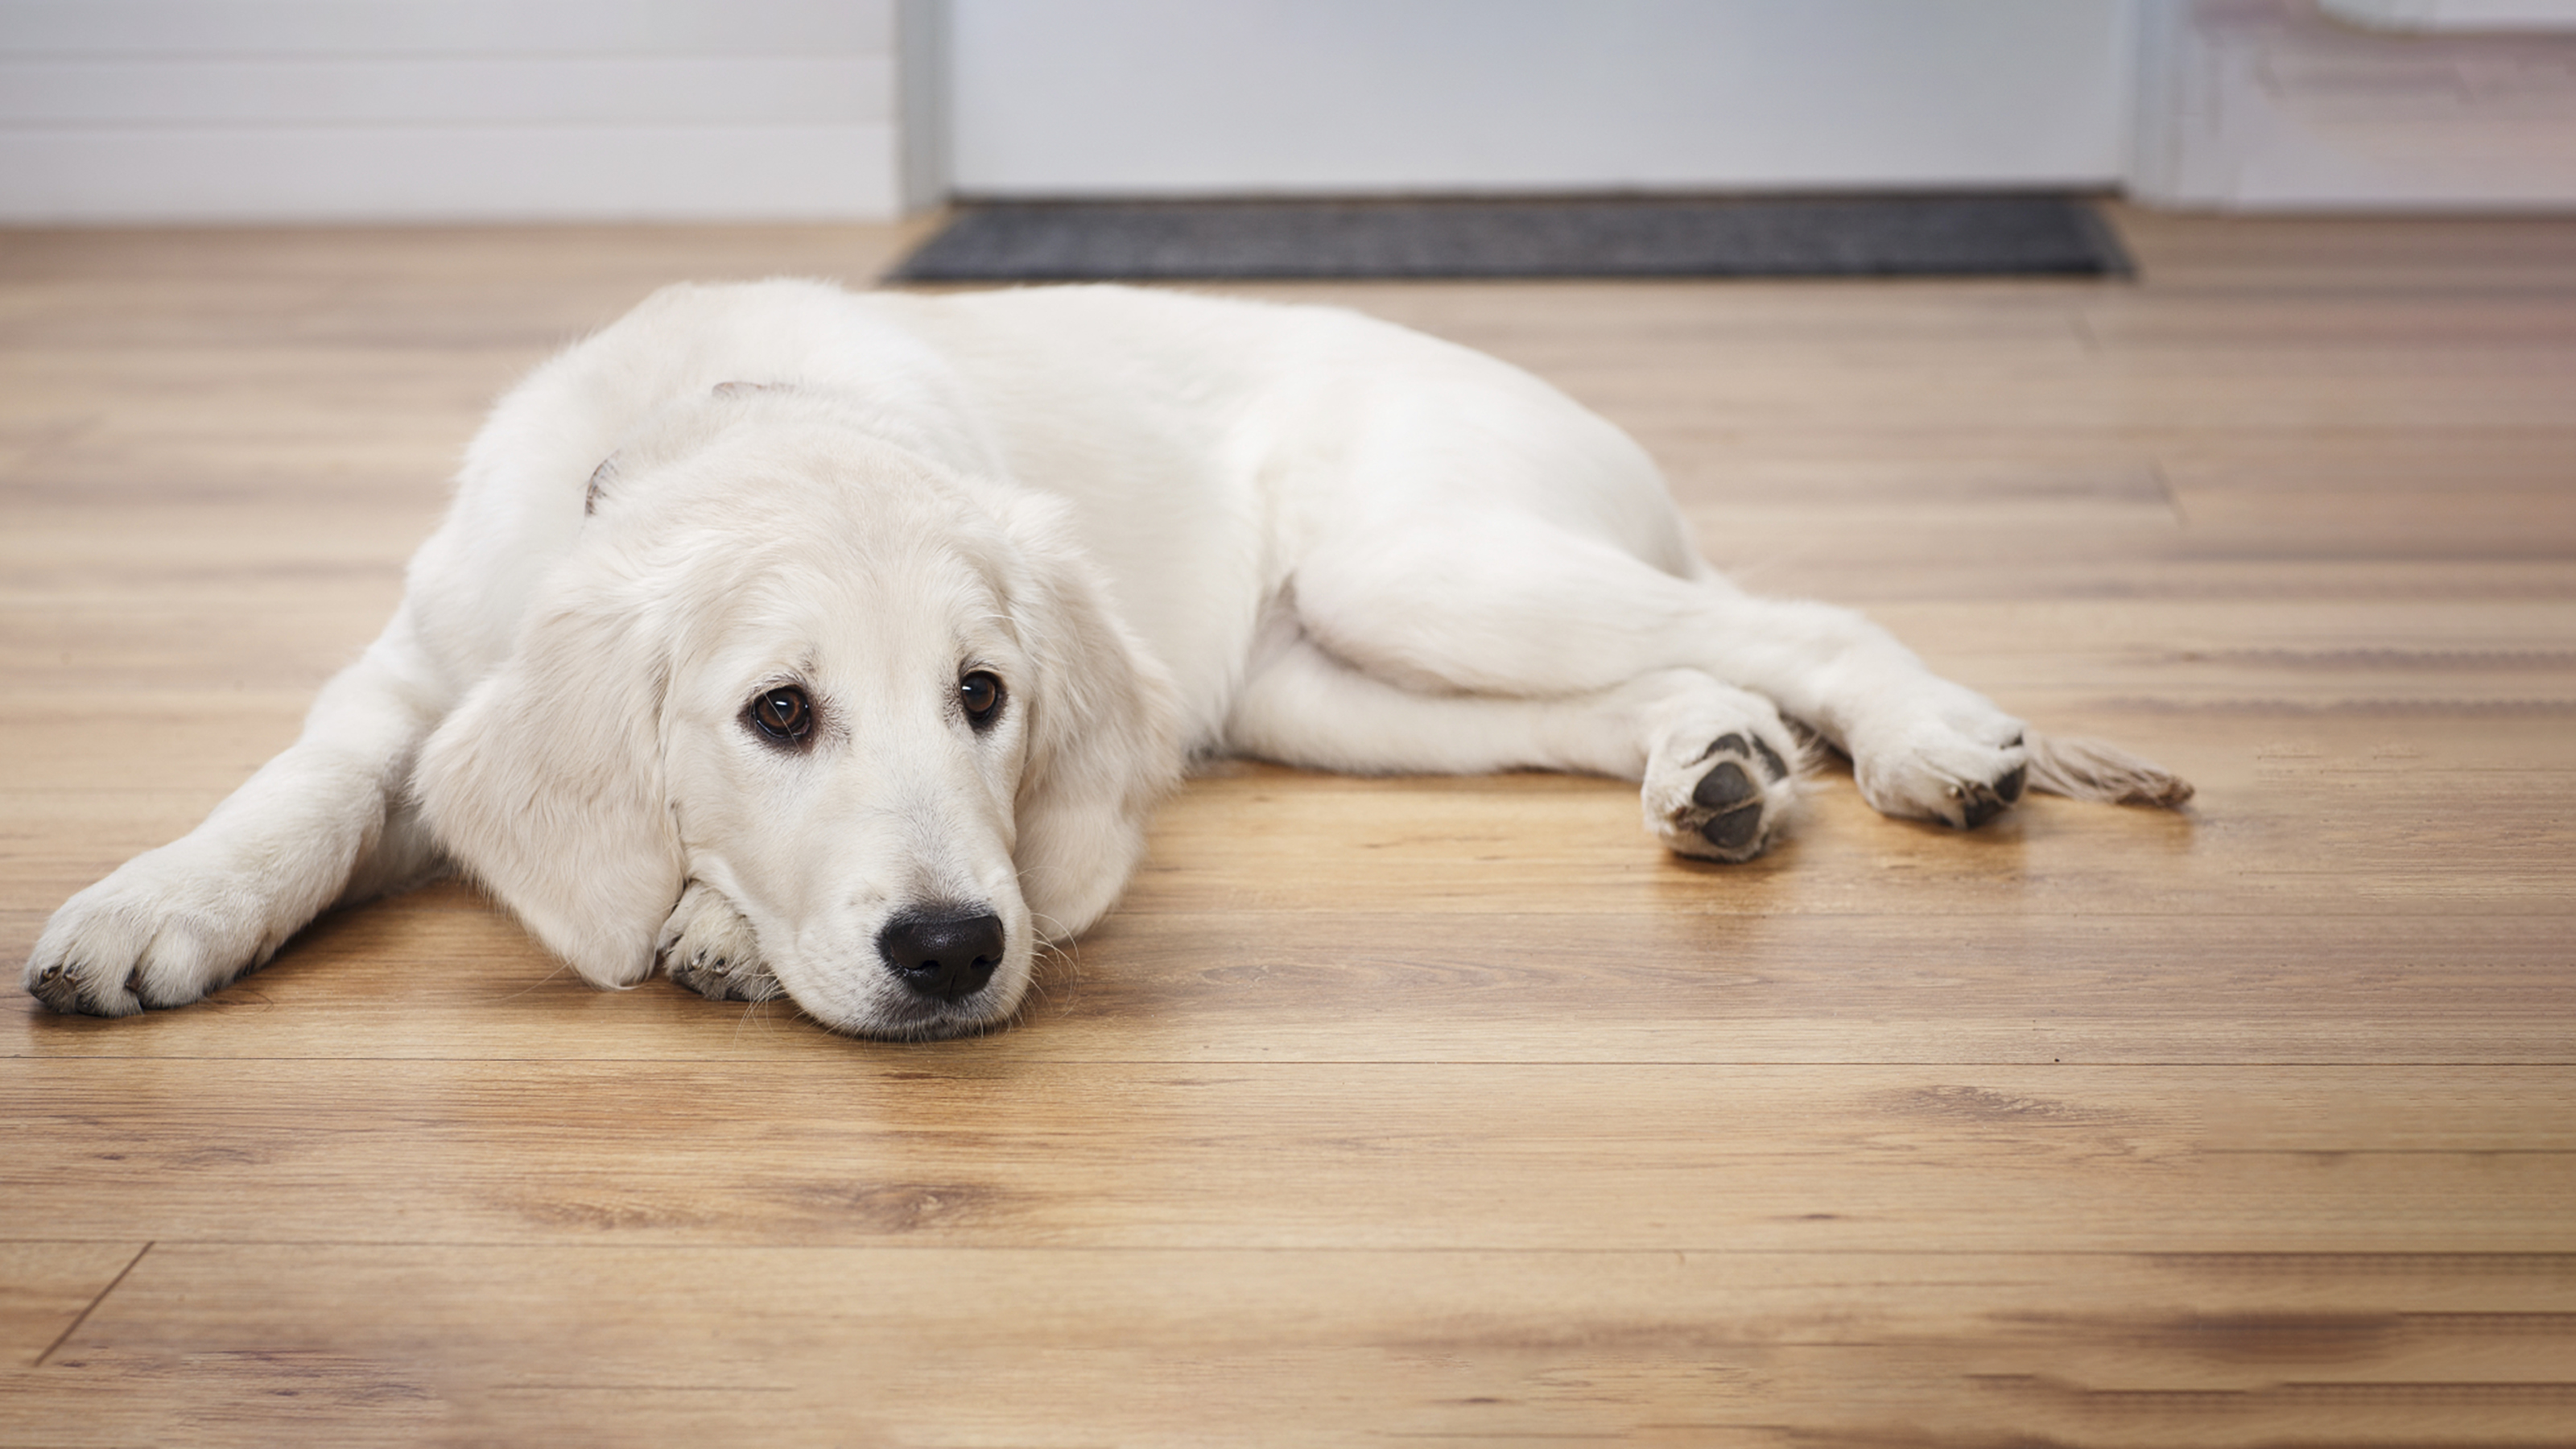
(841,645)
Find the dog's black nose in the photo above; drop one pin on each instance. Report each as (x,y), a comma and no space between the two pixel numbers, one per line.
(942,956)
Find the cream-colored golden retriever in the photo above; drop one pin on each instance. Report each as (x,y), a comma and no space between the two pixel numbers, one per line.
(840,646)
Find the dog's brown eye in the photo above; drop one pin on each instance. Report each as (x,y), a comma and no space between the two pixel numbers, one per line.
(981,694)
(783,713)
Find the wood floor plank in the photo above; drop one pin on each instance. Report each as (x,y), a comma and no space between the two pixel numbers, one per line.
(1531,910)
(591,1345)
(2287,811)
(951,1146)
(2167,652)
(45,1289)
(441,974)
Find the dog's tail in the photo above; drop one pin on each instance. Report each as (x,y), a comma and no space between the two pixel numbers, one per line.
(2083,769)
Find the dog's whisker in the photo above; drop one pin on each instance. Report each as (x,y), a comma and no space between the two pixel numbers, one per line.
(540,983)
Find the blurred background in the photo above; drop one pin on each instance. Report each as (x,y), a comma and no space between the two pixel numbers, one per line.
(707,110)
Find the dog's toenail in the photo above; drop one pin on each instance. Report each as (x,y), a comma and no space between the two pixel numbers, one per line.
(134,983)
(2009,787)
(1981,808)
(1735,829)
(1726,785)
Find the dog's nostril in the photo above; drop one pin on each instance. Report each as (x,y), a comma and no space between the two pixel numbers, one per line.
(942,956)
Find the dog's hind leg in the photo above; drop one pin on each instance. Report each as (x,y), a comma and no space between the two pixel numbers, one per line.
(1717,766)
(1515,606)
(322,822)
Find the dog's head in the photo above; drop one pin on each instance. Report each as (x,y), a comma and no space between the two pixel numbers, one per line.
(885,710)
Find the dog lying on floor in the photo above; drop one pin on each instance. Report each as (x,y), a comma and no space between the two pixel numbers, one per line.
(839,646)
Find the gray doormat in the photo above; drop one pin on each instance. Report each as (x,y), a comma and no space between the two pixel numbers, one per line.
(1877,236)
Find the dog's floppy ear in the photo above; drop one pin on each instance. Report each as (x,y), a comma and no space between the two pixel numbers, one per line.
(547,782)
(1104,741)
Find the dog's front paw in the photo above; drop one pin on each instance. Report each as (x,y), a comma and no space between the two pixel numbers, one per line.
(1959,761)
(709,948)
(166,928)
(1727,800)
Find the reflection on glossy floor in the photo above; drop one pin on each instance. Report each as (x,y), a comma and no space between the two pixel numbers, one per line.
(1397,1109)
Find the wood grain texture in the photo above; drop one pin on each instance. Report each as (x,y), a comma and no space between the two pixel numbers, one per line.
(1401,1109)
(874,1346)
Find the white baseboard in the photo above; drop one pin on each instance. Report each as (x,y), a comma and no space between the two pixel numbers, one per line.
(452,173)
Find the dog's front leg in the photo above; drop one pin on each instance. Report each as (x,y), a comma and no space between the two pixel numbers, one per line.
(323,821)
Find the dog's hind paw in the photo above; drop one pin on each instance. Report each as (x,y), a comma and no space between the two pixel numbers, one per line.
(709,948)
(1945,755)
(1728,800)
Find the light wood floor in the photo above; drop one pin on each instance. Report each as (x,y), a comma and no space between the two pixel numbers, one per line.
(1397,1110)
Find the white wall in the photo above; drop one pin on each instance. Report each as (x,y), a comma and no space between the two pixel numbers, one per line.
(1144,97)
(392,110)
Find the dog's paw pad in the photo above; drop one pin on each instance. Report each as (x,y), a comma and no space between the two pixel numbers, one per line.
(1773,767)
(1975,804)
(1734,830)
(1729,803)
(1725,786)
(1979,802)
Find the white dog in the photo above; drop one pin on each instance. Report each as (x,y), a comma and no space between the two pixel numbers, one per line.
(841,645)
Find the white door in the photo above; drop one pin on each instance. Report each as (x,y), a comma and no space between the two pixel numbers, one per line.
(1253,97)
